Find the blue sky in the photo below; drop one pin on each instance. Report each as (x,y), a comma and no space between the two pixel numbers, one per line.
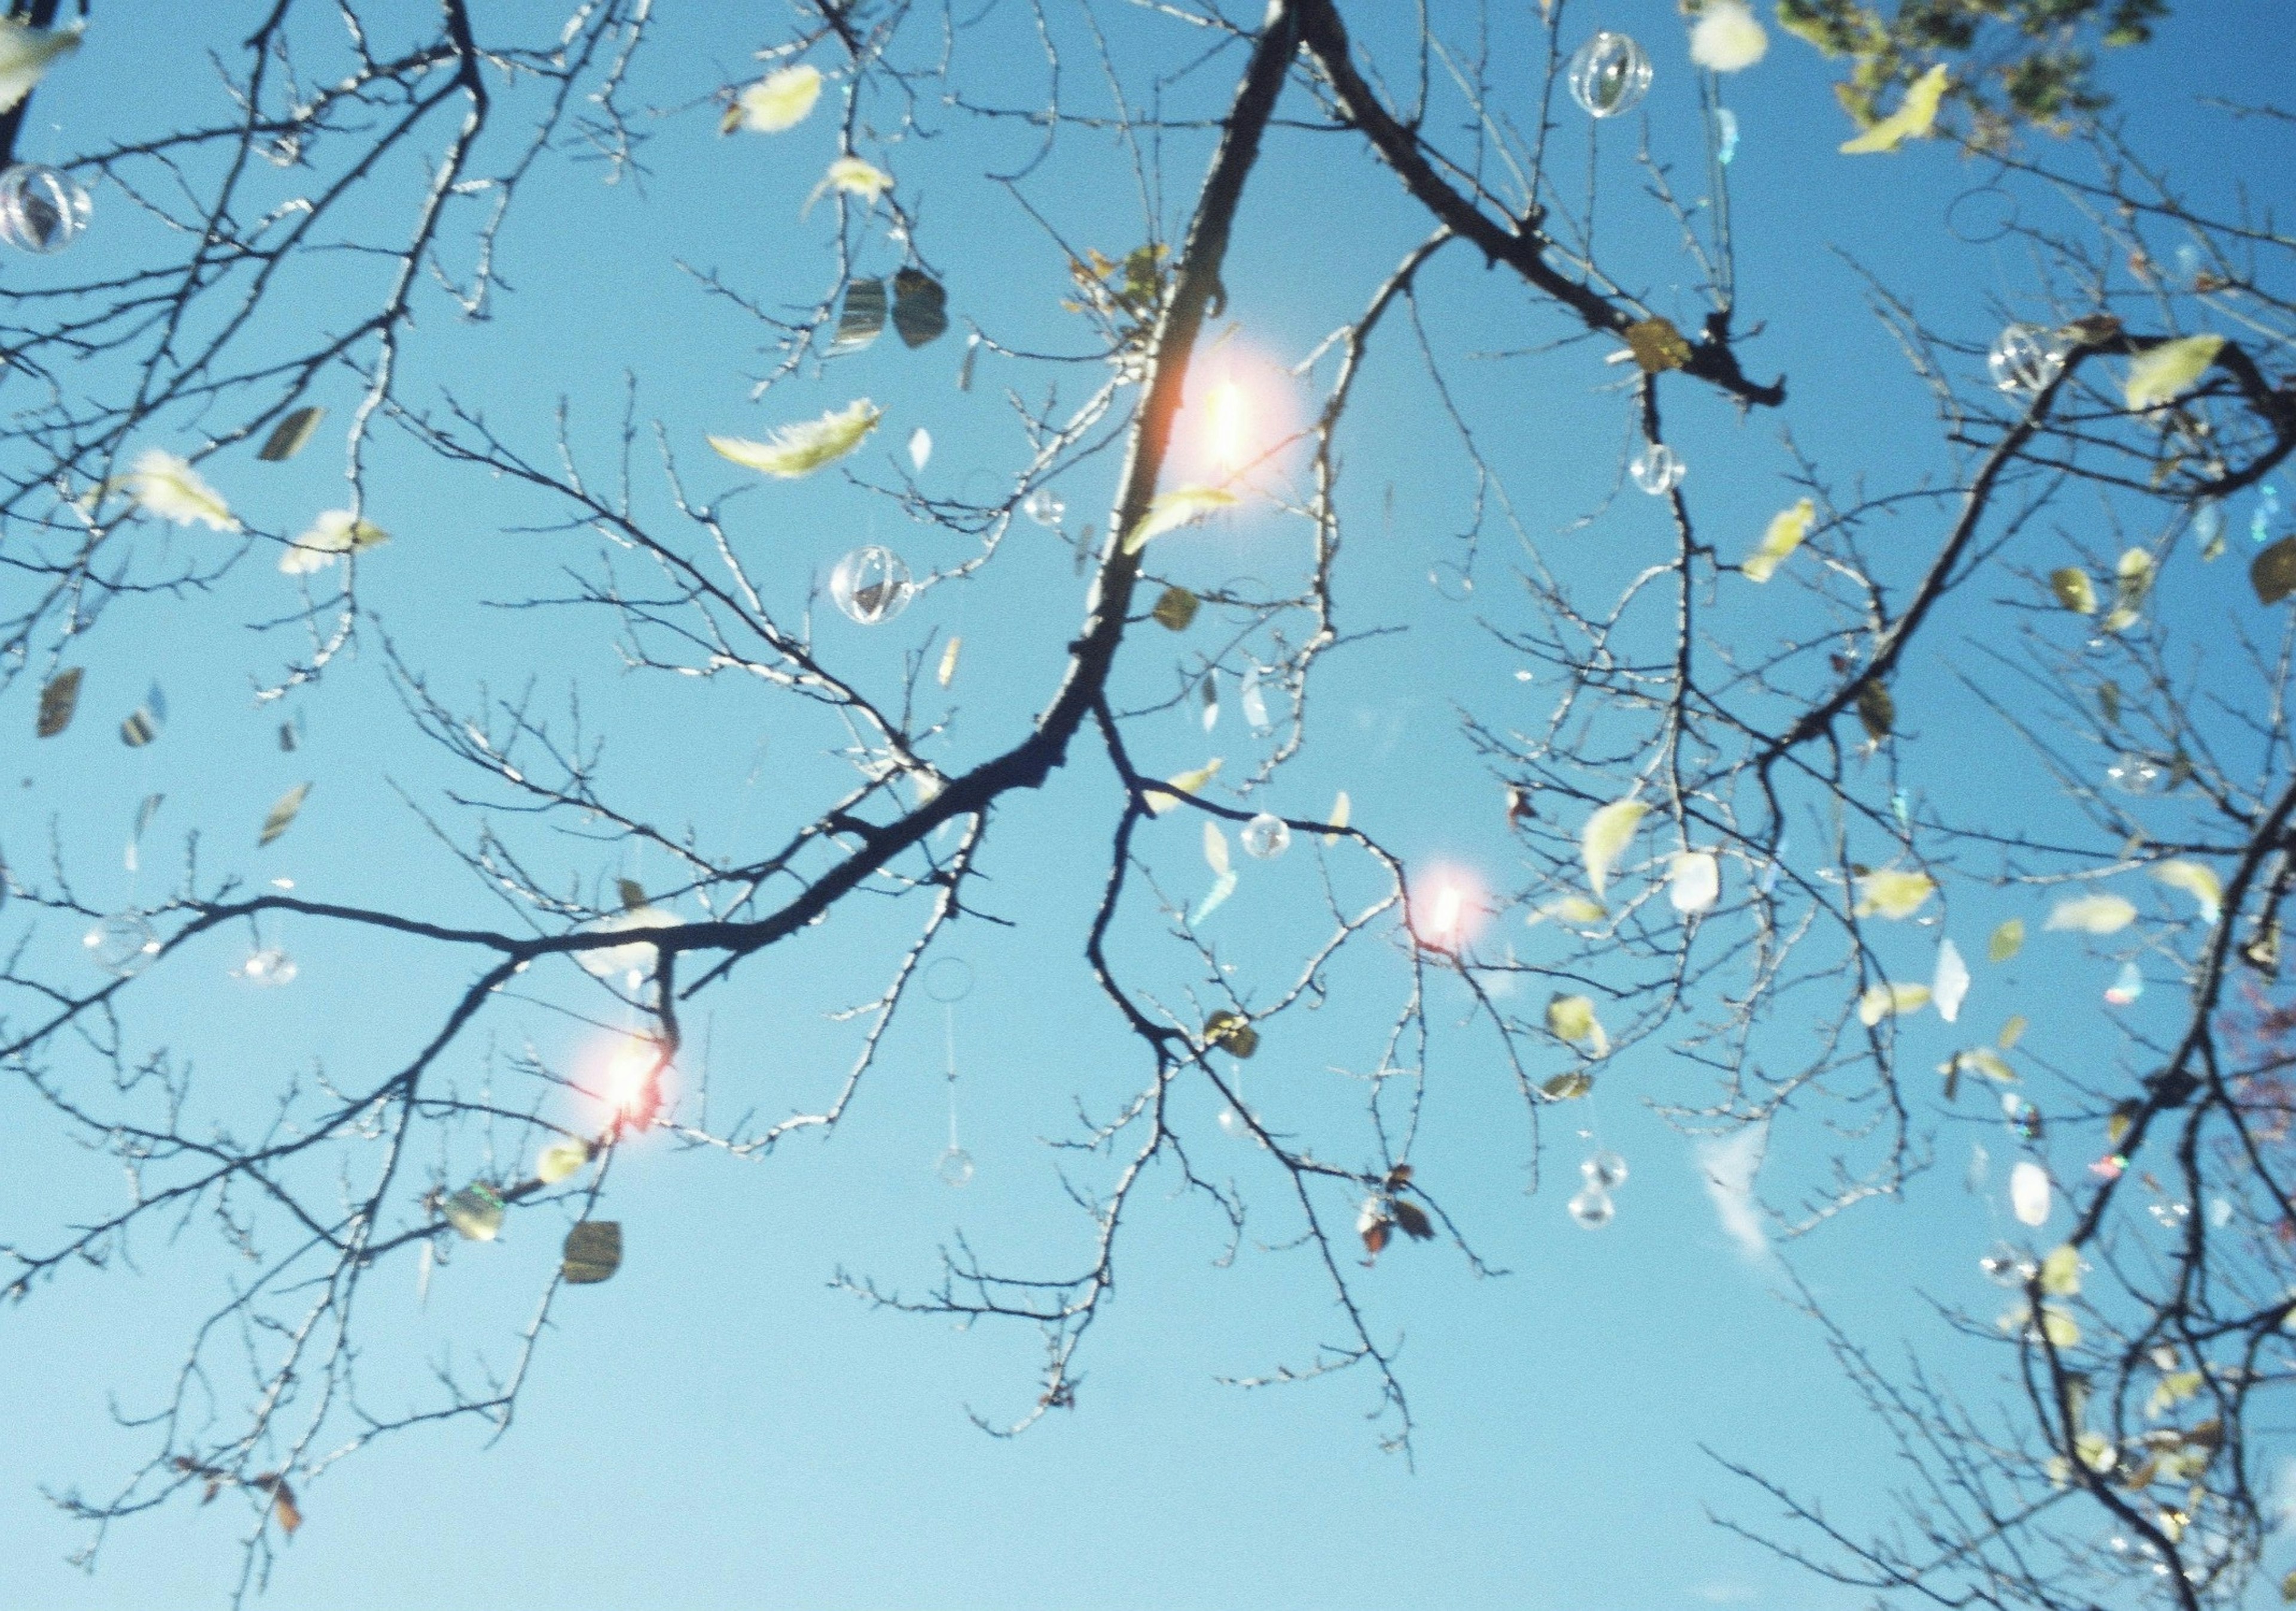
(717,1427)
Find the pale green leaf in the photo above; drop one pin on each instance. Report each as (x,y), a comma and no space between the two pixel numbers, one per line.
(2092,915)
(1607,834)
(778,100)
(1892,892)
(2160,374)
(804,446)
(1170,511)
(2195,878)
(1915,118)
(1787,530)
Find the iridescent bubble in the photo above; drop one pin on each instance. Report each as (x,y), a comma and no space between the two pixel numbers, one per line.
(1591,1207)
(956,1168)
(1658,469)
(1609,74)
(871,585)
(1044,506)
(1265,837)
(2007,1265)
(42,210)
(123,944)
(1725,127)
(1605,1171)
(2136,774)
(2267,510)
(269,967)
(2025,357)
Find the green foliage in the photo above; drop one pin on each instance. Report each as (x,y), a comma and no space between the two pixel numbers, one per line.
(2013,62)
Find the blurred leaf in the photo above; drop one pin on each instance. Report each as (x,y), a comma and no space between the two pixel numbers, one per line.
(1176,608)
(475,1212)
(282,815)
(2061,1272)
(779,101)
(167,487)
(560,1160)
(1986,1062)
(1214,847)
(2096,1449)
(2007,940)
(1876,710)
(2273,572)
(1950,984)
(2195,878)
(1785,534)
(1160,799)
(1339,817)
(2012,1032)
(291,436)
(1882,1000)
(1915,118)
(947,671)
(1657,345)
(920,446)
(1573,909)
(2159,374)
(1571,1018)
(804,446)
(2108,700)
(58,700)
(1568,1087)
(2092,915)
(632,893)
(282,1500)
(2028,1193)
(145,813)
(1892,892)
(2074,589)
(920,308)
(1411,1220)
(1233,1031)
(862,320)
(593,1251)
(1223,887)
(1693,882)
(1605,837)
(1170,511)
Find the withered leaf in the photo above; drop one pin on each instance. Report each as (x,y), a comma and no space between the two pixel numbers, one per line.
(1657,345)
(1568,1087)
(862,320)
(1877,710)
(593,1251)
(2273,572)
(282,1500)
(1233,1031)
(632,892)
(920,308)
(291,436)
(1175,609)
(1374,1233)
(282,815)
(58,700)
(1412,1220)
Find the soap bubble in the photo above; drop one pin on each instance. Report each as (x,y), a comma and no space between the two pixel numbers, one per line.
(1605,1171)
(42,210)
(270,966)
(1657,470)
(1234,1125)
(123,944)
(1592,1208)
(2007,1265)
(1265,837)
(1609,74)
(871,584)
(1044,506)
(956,1168)
(2025,357)
(2136,774)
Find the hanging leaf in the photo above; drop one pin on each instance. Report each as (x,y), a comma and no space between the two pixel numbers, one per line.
(1571,1018)
(2132,585)
(1252,701)
(964,366)
(58,700)
(631,892)
(1568,1087)
(949,662)
(1884,1001)
(1233,1031)
(1573,909)
(26,54)
(2108,701)
(1951,986)
(2092,915)
(144,721)
(2161,373)
(560,1160)
(593,1251)
(2262,952)
(2012,1032)
(779,101)
(1170,511)
(854,177)
(2029,1192)
(332,535)
(801,448)
(1605,837)
(1411,1220)
(1892,892)
(862,320)
(1175,608)
(1876,710)
(167,487)
(1656,344)
(2074,589)
(1161,799)
(1694,883)
(1373,1226)
(1339,817)
(145,813)
(2007,940)
(1915,117)
(281,815)
(291,436)
(2195,878)
(920,308)
(283,1510)
(2273,572)
(1785,534)
(475,1212)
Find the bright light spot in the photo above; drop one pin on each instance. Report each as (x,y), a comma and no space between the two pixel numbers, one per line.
(1229,426)
(630,1085)
(1450,909)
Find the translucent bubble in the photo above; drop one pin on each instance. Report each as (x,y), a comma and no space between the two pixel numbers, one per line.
(42,210)
(871,584)
(2188,262)
(1265,837)
(1605,1171)
(2208,525)
(269,967)
(1044,506)
(2007,1265)
(2025,357)
(1234,1125)
(1981,216)
(1725,127)
(1452,581)
(122,944)
(956,1168)
(1609,74)
(1658,469)
(2172,1216)
(949,978)
(1592,1208)
(2136,774)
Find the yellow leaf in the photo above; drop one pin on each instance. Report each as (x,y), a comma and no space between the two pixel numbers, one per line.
(1170,511)
(2012,1032)
(332,535)
(1175,608)
(1881,1000)
(167,487)
(801,448)
(1161,800)
(1214,847)
(778,100)
(281,815)
(2074,589)
(1985,1060)
(1571,1018)
(26,53)
(858,177)
(1915,118)
(1568,1087)
(1338,818)
(2195,878)
(2174,1389)
(1787,530)
(560,1160)
(1605,837)
(1575,909)
(1657,345)
(1232,1030)
(2007,940)
(949,662)
(2061,1272)
(2160,373)
(2092,915)
(1891,892)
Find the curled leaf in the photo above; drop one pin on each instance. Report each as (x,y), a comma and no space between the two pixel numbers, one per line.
(2160,374)
(2195,878)
(1876,710)
(291,436)
(1232,1031)
(560,1160)
(167,487)
(1884,1001)
(1163,798)
(2074,589)
(2092,915)
(1175,608)
(1915,117)
(920,308)
(1785,534)
(1215,847)
(1571,1018)
(1892,892)
(281,815)
(947,670)
(778,100)
(26,52)
(801,448)
(1170,511)
(1568,1087)
(1656,344)
(1605,837)
(1339,817)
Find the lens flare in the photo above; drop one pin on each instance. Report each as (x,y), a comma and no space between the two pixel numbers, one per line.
(630,1083)
(1447,908)
(1228,426)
